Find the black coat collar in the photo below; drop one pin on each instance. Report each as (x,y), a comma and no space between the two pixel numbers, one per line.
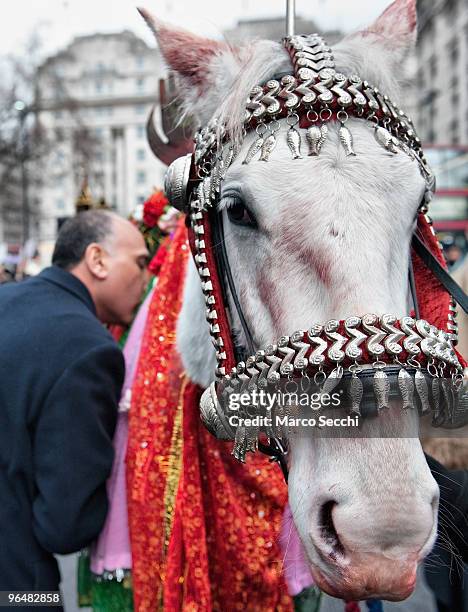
(70,283)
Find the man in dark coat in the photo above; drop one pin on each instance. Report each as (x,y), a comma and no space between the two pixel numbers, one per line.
(61,375)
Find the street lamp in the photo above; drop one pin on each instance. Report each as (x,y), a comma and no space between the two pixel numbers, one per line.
(22,110)
(19,106)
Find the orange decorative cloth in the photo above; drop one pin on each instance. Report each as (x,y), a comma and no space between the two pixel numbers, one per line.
(203,527)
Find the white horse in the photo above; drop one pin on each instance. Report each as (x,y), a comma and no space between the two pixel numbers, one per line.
(330,238)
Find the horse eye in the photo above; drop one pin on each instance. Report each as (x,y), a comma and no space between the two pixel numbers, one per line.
(239,214)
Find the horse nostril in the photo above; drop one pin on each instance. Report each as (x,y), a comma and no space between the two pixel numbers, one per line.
(327,529)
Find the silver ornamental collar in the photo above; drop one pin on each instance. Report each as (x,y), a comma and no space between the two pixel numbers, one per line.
(327,354)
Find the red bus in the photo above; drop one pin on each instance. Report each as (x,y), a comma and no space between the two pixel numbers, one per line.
(449,208)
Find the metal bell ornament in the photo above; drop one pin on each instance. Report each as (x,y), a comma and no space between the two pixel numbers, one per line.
(176,182)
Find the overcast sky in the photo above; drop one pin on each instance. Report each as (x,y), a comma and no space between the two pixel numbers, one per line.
(60,20)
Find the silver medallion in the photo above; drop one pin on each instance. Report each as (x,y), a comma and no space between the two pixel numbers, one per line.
(252,439)
(355,392)
(381,389)
(385,139)
(267,147)
(240,444)
(293,139)
(332,380)
(435,389)
(422,391)
(253,149)
(346,139)
(406,386)
(315,137)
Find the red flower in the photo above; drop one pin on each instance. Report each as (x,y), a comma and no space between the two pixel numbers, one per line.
(153,208)
(158,259)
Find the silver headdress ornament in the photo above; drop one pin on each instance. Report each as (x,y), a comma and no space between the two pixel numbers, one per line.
(290,17)
(360,348)
(309,99)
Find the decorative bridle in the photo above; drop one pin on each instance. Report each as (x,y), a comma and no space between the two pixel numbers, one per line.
(403,357)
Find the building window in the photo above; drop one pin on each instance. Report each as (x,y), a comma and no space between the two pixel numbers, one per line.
(140,109)
(454,129)
(140,82)
(420,79)
(60,204)
(141,199)
(58,114)
(140,61)
(451,10)
(104,110)
(432,67)
(453,50)
(59,71)
(455,98)
(140,129)
(98,132)
(98,87)
(141,154)
(141,177)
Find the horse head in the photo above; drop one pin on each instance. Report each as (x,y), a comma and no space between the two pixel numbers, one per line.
(314,238)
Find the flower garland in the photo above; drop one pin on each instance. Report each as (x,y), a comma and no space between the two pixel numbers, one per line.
(157,220)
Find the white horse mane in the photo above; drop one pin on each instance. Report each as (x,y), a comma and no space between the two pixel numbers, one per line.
(232,74)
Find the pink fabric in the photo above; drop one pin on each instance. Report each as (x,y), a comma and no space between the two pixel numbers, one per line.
(112,550)
(296,570)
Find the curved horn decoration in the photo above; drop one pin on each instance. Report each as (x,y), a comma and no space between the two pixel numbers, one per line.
(179,137)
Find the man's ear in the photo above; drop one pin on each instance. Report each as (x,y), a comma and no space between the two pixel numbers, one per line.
(95,260)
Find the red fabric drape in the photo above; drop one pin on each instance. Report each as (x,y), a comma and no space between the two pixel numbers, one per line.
(221,550)
(223,553)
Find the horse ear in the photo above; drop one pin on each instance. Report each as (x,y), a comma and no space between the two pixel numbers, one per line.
(395,28)
(185,53)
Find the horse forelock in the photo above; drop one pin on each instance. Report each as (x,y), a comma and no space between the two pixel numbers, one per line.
(233,73)
(263,60)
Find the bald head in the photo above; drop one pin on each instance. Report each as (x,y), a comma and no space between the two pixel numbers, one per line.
(108,254)
(77,233)
(123,232)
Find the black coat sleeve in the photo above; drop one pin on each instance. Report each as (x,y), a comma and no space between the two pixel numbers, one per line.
(453,507)
(73,453)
